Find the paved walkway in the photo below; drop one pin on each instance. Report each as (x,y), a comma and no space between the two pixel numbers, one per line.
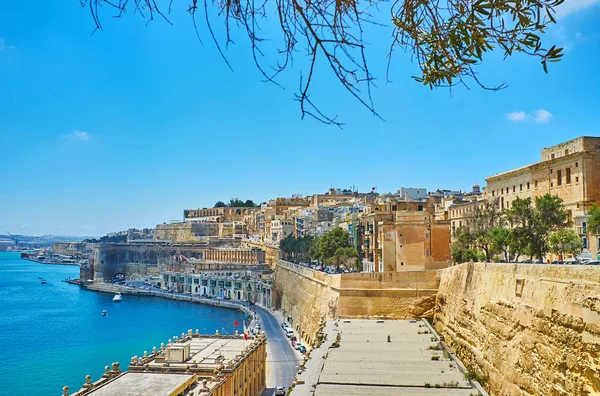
(314,365)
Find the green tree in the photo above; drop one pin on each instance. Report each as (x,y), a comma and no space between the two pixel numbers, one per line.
(447,39)
(484,218)
(296,249)
(461,250)
(346,256)
(593,220)
(220,204)
(534,223)
(235,203)
(249,203)
(565,241)
(517,243)
(329,243)
(500,241)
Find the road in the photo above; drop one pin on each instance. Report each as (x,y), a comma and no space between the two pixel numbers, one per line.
(282,358)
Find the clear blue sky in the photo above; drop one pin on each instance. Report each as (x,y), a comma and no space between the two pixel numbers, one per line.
(128,127)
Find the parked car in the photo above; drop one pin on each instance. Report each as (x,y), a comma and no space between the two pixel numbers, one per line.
(289,333)
(592,262)
(302,349)
(283,325)
(279,391)
(297,345)
(293,339)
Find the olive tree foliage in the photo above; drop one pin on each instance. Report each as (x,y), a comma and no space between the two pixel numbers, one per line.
(565,242)
(593,220)
(447,38)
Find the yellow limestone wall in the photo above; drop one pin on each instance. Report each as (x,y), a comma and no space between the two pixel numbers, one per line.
(531,329)
(307,295)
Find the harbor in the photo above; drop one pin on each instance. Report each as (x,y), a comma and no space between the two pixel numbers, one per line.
(65,322)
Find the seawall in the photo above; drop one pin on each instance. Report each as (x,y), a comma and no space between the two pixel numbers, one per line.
(530,329)
(113,289)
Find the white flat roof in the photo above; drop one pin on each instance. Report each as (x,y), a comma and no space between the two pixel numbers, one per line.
(144,384)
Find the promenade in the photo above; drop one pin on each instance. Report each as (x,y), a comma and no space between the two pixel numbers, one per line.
(282,359)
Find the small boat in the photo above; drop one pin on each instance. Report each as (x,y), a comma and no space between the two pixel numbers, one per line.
(118,298)
(104,313)
(44,281)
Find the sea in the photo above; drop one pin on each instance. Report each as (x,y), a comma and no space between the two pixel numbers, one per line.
(54,334)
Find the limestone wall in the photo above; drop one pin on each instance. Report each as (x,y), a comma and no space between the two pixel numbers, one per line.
(531,329)
(394,295)
(307,295)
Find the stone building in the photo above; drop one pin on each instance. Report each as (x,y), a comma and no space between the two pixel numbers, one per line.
(193,364)
(198,231)
(226,284)
(141,260)
(569,170)
(404,236)
(219,215)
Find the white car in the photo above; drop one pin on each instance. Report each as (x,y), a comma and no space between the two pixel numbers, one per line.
(297,345)
(289,332)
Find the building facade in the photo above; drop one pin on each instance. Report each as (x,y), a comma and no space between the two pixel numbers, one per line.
(569,170)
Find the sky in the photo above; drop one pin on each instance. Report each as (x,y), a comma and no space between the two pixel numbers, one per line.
(129,126)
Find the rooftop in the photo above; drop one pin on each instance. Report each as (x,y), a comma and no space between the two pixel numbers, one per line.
(147,384)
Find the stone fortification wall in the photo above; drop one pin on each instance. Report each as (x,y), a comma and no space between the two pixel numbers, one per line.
(145,259)
(306,296)
(530,329)
(394,295)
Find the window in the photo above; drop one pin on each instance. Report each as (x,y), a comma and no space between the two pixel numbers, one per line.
(568,175)
(514,189)
(576,164)
(551,170)
(420,208)
(551,156)
(576,179)
(567,152)
(528,185)
(536,184)
(584,242)
(559,177)
(507,190)
(426,252)
(493,193)
(520,187)
(519,285)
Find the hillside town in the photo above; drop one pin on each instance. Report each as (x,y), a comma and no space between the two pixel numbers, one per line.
(331,266)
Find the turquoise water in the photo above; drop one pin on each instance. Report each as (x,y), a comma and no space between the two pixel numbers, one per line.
(54,334)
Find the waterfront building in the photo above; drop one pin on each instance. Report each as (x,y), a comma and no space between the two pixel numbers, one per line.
(193,364)
(223,283)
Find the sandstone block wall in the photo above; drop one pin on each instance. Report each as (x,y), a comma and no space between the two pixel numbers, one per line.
(394,295)
(307,296)
(531,329)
